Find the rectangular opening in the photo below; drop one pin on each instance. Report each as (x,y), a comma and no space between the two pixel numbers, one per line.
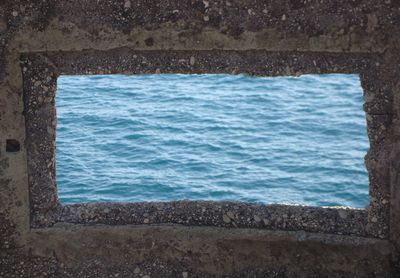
(287,140)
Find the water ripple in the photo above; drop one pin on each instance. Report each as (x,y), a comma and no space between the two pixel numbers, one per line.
(212,137)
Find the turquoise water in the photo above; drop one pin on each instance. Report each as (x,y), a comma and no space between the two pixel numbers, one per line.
(292,140)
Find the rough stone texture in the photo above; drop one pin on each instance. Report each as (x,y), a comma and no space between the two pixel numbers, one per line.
(39,40)
(167,250)
(41,70)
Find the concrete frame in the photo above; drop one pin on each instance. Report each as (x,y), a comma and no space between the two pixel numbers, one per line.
(39,74)
(40,41)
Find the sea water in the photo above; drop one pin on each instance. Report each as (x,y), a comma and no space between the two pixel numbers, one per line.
(291,140)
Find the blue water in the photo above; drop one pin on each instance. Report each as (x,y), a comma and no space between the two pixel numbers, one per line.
(292,140)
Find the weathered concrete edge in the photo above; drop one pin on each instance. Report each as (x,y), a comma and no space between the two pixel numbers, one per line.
(40,71)
(221,214)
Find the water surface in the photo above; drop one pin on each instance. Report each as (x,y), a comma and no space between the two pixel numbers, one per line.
(290,140)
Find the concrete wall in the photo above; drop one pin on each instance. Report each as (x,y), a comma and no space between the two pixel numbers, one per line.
(39,40)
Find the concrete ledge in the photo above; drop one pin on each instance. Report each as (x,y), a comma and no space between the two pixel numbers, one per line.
(216,251)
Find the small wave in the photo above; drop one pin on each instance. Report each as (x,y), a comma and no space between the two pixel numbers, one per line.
(212,137)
